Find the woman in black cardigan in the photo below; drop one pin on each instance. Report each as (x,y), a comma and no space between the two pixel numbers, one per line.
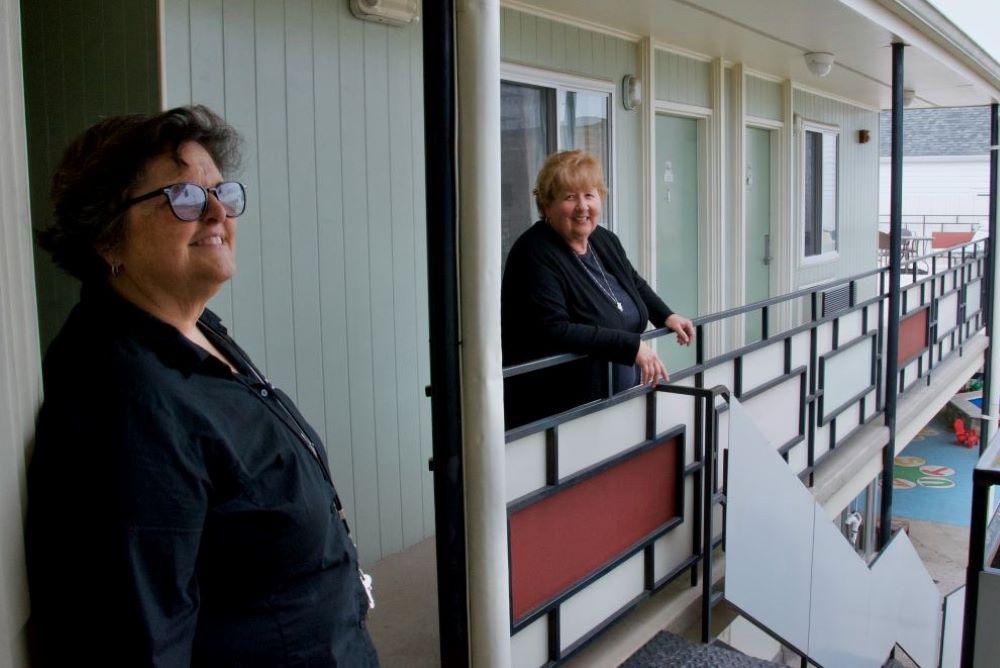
(568,287)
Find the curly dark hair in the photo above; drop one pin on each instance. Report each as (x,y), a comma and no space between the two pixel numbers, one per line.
(93,179)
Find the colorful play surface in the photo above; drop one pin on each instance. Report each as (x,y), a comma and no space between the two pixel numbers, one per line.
(933,478)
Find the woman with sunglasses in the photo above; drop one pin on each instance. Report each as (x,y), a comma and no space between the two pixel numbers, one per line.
(181,510)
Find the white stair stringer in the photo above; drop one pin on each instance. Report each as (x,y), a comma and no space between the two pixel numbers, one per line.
(790,570)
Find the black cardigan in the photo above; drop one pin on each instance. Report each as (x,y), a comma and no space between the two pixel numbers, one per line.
(551,305)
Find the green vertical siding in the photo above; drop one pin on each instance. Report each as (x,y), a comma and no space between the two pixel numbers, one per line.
(330,293)
(857,199)
(530,40)
(763,98)
(83,60)
(681,79)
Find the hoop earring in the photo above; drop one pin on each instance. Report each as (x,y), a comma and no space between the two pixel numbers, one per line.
(116,269)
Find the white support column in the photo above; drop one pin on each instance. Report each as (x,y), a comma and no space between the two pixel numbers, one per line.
(20,373)
(478,59)
(715,252)
(784,234)
(738,195)
(647,110)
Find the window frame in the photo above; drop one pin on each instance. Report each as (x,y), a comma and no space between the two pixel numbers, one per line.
(561,82)
(804,126)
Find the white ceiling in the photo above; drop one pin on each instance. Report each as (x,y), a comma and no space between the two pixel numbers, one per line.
(771,36)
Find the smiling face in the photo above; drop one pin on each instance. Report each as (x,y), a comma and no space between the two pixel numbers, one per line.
(574,214)
(168,261)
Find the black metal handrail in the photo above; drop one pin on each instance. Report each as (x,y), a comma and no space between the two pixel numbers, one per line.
(926,290)
(964,251)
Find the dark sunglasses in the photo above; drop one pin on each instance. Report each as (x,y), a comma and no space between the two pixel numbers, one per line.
(188,200)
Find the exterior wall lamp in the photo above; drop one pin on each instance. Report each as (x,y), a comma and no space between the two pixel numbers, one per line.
(389,12)
(631,92)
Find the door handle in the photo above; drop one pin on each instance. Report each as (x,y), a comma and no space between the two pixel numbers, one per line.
(767,249)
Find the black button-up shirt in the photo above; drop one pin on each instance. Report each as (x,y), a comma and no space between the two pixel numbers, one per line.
(180,514)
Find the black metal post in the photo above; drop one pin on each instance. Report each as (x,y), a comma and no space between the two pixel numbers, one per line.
(440,162)
(977,550)
(989,285)
(892,335)
(707,499)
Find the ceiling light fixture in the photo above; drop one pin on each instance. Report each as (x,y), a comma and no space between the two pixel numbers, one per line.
(819,62)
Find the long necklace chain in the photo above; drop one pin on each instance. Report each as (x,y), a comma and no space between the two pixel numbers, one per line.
(606,288)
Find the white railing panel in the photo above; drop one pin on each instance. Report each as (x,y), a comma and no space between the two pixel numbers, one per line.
(763,365)
(972,297)
(954,616)
(906,604)
(525,465)
(777,411)
(677,545)
(798,457)
(850,326)
(912,297)
(790,568)
(824,338)
(530,645)
(585,610)
(840,612)
(800,350)
(843,374)
(768,563)
(593,438)
(947,313)
(870,404)
(677,409)
(720,374)
(822,443)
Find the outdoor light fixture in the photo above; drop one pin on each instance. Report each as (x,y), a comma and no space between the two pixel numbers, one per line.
(631,92)
(819,62)
(389,12)
(908,95)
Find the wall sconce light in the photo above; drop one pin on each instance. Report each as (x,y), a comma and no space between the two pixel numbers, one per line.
(908,95)
(389,12)
(819,62)
(864,136)
(631,92)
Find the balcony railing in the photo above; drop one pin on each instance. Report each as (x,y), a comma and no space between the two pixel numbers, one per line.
(813,374)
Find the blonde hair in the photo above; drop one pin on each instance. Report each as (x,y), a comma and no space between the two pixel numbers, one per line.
(565,170)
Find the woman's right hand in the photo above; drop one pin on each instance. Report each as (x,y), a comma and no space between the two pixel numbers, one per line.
(651,369)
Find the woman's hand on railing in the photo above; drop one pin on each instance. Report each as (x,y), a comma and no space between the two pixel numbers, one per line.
(651,369)
(683,327)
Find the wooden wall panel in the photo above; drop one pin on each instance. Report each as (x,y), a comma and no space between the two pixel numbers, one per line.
(682,79)
(330,295)
(763,98)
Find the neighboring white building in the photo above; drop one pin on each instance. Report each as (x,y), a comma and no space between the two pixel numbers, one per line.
(946,167)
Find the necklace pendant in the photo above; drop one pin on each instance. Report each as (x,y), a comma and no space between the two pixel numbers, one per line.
(619,305)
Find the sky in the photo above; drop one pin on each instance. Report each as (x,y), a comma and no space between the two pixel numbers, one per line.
(979,19)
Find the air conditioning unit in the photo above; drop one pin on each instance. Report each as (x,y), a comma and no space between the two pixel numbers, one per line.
(390,12)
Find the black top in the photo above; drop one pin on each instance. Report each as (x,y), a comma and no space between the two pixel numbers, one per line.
(177,515)
(552,305)
(624,374)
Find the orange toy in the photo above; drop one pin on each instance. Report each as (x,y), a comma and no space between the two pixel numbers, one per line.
(963,436)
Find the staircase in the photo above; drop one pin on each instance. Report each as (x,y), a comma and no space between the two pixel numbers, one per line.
(667,649)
